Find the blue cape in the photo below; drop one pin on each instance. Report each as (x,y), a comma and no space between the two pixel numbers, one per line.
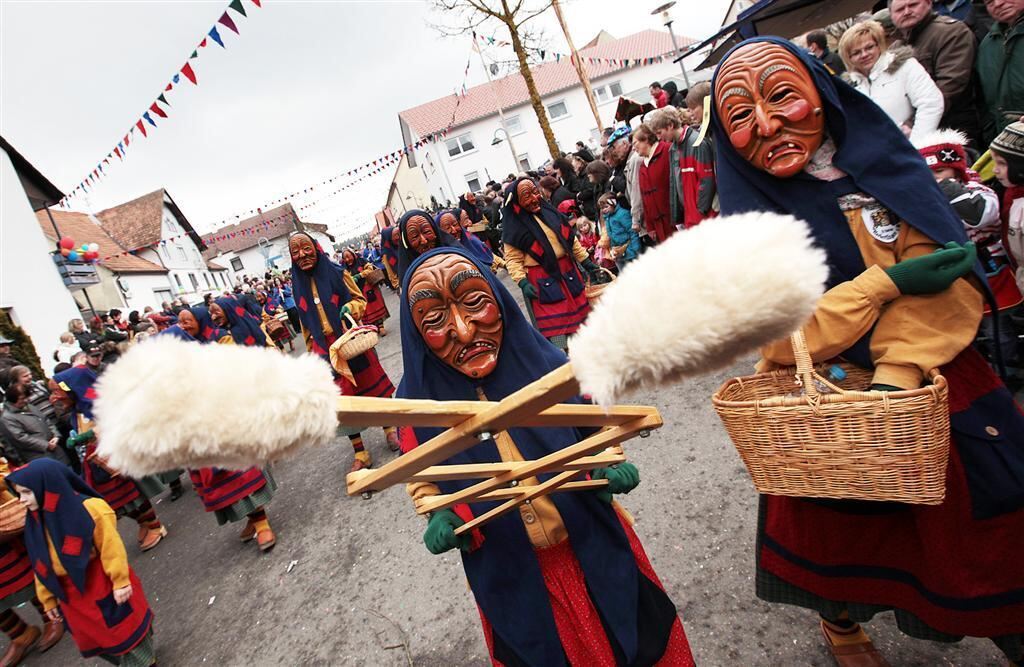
(59,492)
(243,325)
(407,255)
(330,285)
(467,240)
(176,331)
(79,381)
(504,573)
(870,149)
(208,331)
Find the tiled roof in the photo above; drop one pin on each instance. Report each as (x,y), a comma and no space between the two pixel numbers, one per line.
(139,222)
(214,266)
(282,221)
(550,77)
(317,227)
(79,227)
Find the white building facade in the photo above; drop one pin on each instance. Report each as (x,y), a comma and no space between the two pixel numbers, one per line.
(468,157)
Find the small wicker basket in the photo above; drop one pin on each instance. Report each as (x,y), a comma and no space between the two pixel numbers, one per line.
(852,443)
(594,290)
(12,520)
(375,276)
(357,340)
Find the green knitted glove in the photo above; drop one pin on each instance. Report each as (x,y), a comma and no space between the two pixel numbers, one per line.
(622,478)
(529,291)
(75,440)
(440,534)
(592,269)
(934,273)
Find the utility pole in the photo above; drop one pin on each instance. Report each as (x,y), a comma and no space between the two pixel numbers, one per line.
(666,17)
(497,103)
(582,73)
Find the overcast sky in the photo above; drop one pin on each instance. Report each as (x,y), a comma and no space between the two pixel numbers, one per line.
(308,90)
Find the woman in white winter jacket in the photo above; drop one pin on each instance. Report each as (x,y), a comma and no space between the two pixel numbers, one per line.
(892,78)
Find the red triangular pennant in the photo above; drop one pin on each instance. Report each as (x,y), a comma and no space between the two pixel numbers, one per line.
(169,86)
(202,43)
(155,108)
(189,74)
(257,3)
(226,21)
(142,128)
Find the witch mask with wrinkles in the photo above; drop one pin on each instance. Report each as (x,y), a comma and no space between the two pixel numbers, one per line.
(528,195)
(456,312)
(770,108)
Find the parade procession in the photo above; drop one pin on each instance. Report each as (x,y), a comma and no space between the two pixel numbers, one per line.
(656,336)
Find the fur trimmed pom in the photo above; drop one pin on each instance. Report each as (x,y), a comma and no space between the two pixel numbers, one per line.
(941,137)
(171,404)
(698,301)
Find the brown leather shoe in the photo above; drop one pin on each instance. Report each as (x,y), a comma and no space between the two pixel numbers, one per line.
(358,464)
(153,537)
(52,632)
(392,439)
(266,539)
(248,532)
(861,654)
(20,646)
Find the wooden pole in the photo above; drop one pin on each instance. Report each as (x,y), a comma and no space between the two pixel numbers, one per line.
(580,71)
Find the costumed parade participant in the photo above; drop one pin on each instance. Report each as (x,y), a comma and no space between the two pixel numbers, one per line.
(276,330)
(388,241)
(450,222)
(418,233)
(327,296)
(902,300)
(81,568)
(376,310)
(18,586)
(541,255)
(475,244)
(233,315)
(564,579)
(232,495)
(75,390)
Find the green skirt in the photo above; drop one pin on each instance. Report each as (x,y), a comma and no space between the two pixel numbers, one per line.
(246,506)
(143,655)
(21,596)
(170,476)
(151,485)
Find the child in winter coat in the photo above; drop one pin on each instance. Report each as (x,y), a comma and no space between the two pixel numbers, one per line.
(978,207)
(624,241)
(1008,155)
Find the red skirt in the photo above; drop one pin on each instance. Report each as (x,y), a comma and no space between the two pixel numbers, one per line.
(561,305)
(15,568)
(371,378)
(376,309)
(577,620)
(98,624)
(942,569)
(117,491)
(219,489)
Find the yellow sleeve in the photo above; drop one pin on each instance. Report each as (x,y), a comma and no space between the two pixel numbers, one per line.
(515,263)
(579,252)
(108,543)
(367,269)
(48,599)
(844,314)
(917,333)
(420,490)
(226,340)
(356,300)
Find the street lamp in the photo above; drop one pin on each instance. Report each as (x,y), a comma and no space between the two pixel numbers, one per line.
(497,140)
(667,20)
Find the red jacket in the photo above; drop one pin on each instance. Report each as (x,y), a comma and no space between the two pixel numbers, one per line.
(655,191)
(660,99)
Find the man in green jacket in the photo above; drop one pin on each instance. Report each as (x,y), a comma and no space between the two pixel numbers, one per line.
(1000,67)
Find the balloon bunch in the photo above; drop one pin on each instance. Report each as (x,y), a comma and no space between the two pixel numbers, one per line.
(87,252)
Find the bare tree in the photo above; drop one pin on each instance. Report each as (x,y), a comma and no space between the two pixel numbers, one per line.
(466,16)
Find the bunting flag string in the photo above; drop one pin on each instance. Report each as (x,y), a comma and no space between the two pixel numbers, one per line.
(552,56)
(120,149)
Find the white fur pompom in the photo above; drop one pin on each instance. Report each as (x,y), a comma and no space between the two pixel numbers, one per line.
(698,301)
(171,404)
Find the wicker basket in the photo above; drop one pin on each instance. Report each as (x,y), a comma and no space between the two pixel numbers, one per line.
(357,340)
(593,291)
(12,520)
(375,276)
(478,227)
(852,444)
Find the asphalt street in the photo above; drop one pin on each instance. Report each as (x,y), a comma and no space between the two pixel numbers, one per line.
(350,582)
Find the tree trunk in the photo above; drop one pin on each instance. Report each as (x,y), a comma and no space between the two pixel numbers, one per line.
(531,86)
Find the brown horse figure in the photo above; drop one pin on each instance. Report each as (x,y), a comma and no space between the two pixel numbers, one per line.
(629,109)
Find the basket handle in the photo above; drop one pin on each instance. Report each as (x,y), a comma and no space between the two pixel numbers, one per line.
(804,365)
(351,320)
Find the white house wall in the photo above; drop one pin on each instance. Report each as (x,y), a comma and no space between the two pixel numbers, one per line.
(30,285)
(183,261)
(446,176)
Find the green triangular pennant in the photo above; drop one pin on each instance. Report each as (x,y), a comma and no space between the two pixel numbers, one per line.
(195,54)
(237,6)
(164,99)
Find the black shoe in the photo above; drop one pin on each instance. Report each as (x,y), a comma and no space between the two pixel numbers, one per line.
(177,491)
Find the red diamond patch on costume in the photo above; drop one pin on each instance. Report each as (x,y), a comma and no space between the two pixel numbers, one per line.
(72,545)
(50,501)
(335,299)
(250,340)
(90,393)
(240,311)
(41,569)
(302,304)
